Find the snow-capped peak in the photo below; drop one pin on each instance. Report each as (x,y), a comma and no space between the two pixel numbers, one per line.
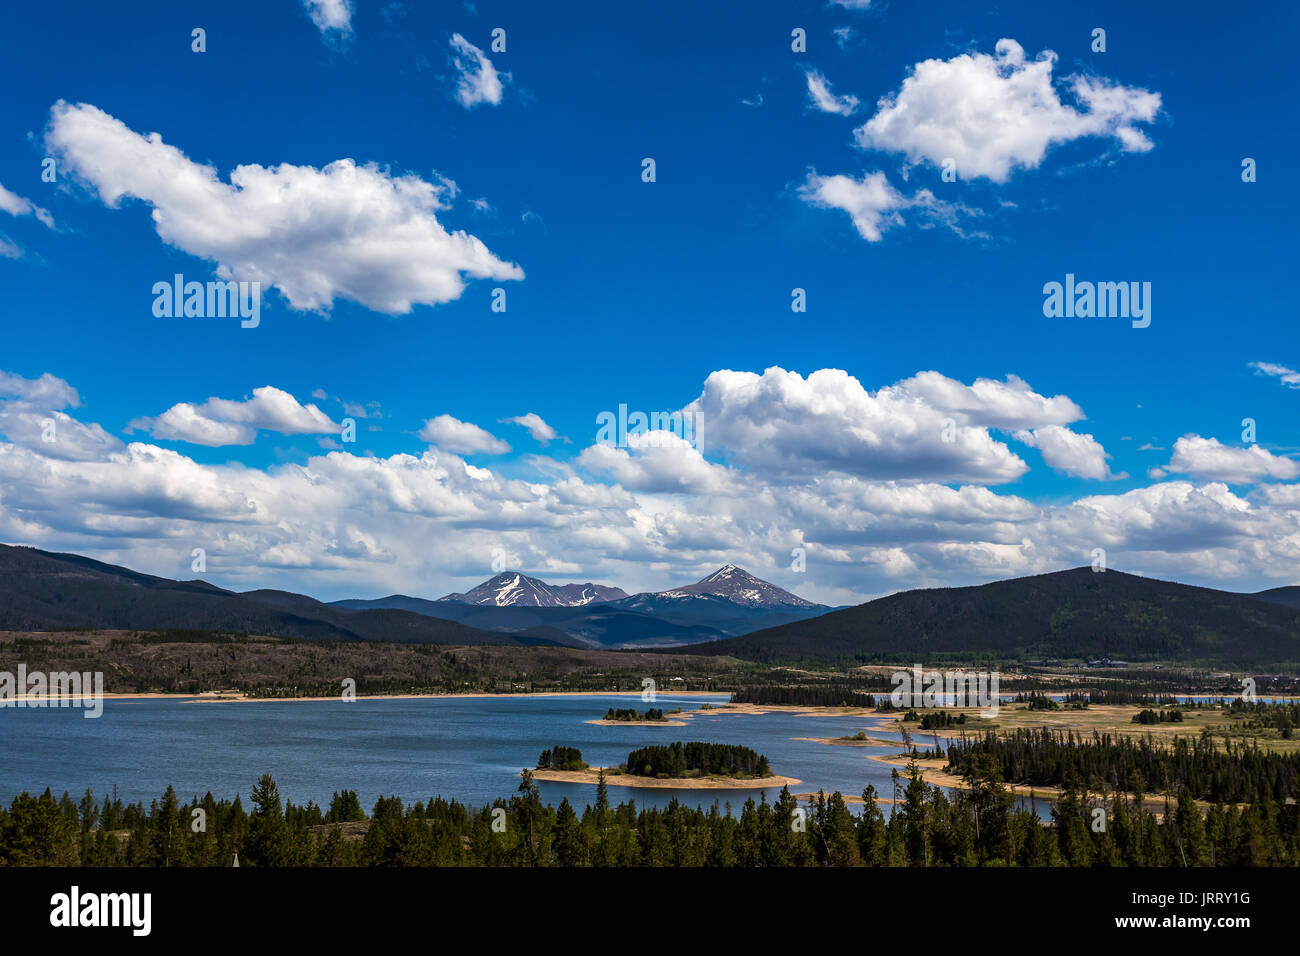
(512,589)
(740,587)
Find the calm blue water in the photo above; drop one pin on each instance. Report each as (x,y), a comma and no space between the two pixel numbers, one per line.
(471,749)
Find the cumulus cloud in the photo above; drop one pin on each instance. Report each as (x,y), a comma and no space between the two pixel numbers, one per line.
(874,205)
(1207,458)
(1009,404)
(995,114)
(1203,528)
(32,416)
(342,231)
(1288,377)
(220,421)
(782,423)
(658,462)
(653,513)
(330,16)
(478,80)
(536,426)
(47,391)
(1069,452)
(821,97)
(462,438)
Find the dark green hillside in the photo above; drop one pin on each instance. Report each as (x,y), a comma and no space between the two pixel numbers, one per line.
(1067,614)
(43,591)
(1288,596)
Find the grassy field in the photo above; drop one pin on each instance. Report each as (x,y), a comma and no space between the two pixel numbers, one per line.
(1114,719)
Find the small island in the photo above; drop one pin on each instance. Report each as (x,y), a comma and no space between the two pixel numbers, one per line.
(682,766)
(629,716)
(561,758)
(860,739)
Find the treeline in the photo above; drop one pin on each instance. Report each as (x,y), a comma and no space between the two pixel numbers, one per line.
(1040,701)
(561,758)
(831,694)
(1230,773)
(937,719)
(928,827)
(194,661)
(1148,716)
(1264,715)
(694,757)
(628,713)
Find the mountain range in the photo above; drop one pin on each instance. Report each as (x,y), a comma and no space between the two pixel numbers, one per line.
(728,602)
(41,591)
(1065,614)
(511,589)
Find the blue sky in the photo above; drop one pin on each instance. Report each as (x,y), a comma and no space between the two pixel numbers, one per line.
(636,293)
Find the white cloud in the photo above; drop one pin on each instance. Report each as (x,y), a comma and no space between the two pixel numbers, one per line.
(871,202)
(16,205)
(996,114)
(1011,404)
(1174,525)
(1069,452)
(47,391)
(1288,377)
(652,514)
(343,231)
(32,416)
(1207,458)
(874,205)
(783,424)
(536,426)
(479,81)
(55,434)
(658,462)
(462,438)
(446,189)
(820,95)
(330,15)
(220,421)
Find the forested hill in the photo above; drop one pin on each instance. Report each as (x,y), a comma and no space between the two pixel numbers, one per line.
(40,590)
(1066,614)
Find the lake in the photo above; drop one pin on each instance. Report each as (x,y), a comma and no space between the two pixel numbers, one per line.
(470,748)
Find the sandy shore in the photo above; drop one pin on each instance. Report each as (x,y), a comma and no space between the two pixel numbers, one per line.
(851,741)
(933,772)
(210,696)
(31,697)
(613,779)
(798,710)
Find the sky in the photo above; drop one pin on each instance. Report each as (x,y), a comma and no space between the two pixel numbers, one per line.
(826,232)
